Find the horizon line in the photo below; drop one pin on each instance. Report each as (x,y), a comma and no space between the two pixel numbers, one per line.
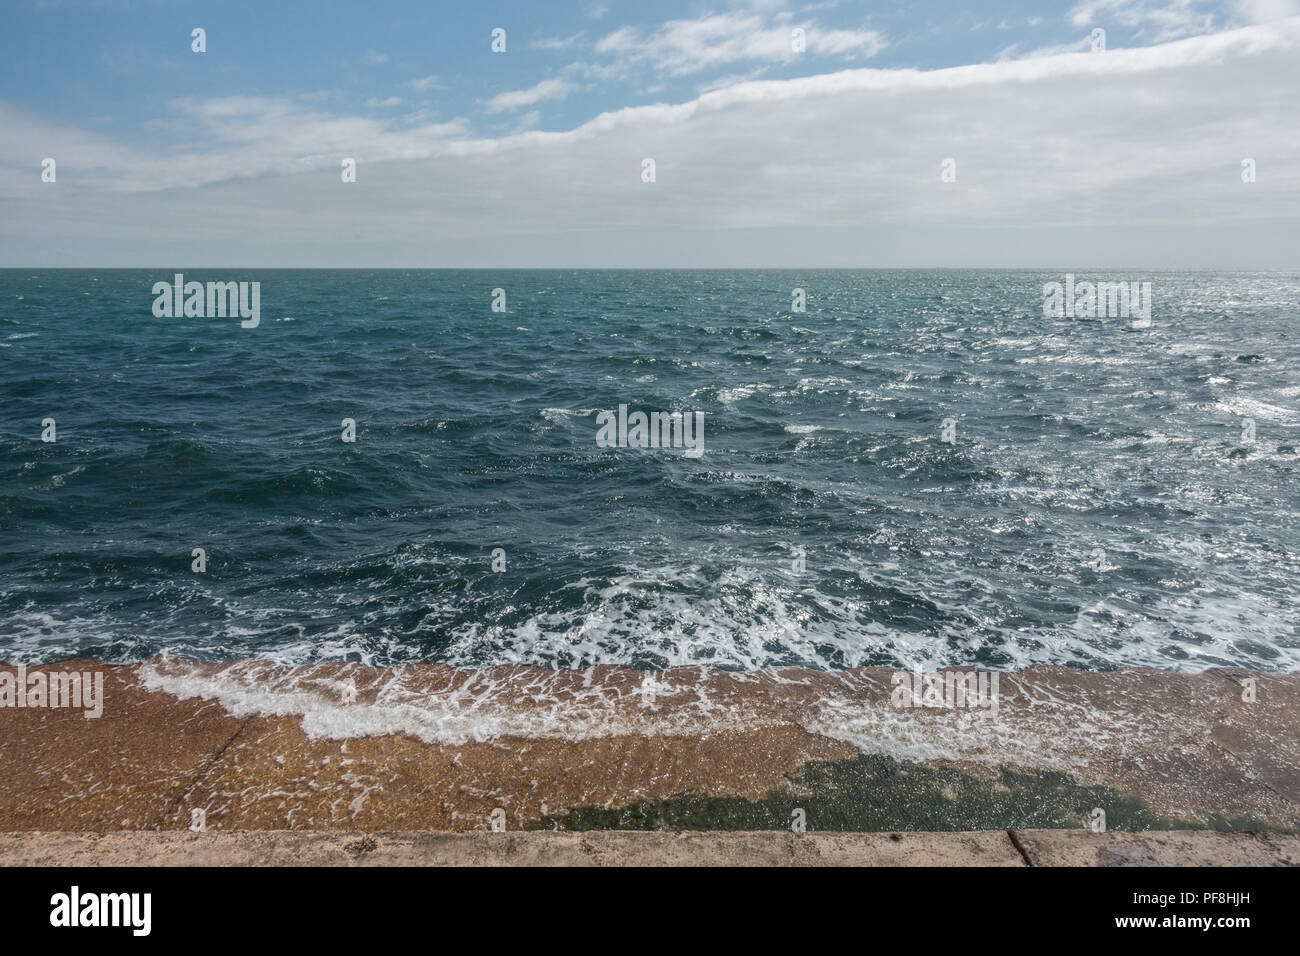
(1087,268)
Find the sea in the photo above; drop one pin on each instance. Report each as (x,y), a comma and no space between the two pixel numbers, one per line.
(913,468)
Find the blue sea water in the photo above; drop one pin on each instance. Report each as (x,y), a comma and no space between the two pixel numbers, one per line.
(1097,508)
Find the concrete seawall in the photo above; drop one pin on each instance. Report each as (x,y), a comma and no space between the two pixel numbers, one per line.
(622,848)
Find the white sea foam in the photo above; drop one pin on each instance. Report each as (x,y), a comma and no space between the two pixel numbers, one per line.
(737,393)
(558,415)
(1041,721)
(1253,408)
(462,707)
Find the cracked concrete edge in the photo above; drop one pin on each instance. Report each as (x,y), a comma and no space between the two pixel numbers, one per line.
(632,848)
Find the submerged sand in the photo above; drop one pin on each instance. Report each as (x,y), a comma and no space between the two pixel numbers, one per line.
(345,747)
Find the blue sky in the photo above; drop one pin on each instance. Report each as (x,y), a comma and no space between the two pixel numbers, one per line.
(118,65)
(410,89)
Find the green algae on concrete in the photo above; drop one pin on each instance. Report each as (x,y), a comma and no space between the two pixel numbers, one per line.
(874,792)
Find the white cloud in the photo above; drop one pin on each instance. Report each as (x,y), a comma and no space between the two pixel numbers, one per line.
(1160,19)
(1014,50)
(732,79)
(528,120)
(846,42)
(242,137)
(429,82)
(553,89)
(390,101)
(555,43)
(687,46)
(1265,11)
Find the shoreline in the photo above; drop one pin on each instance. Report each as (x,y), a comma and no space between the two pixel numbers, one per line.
(257,746)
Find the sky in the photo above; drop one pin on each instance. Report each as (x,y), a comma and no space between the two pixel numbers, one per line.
(918,134)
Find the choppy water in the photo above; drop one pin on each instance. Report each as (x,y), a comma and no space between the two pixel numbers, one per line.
(1097,508)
